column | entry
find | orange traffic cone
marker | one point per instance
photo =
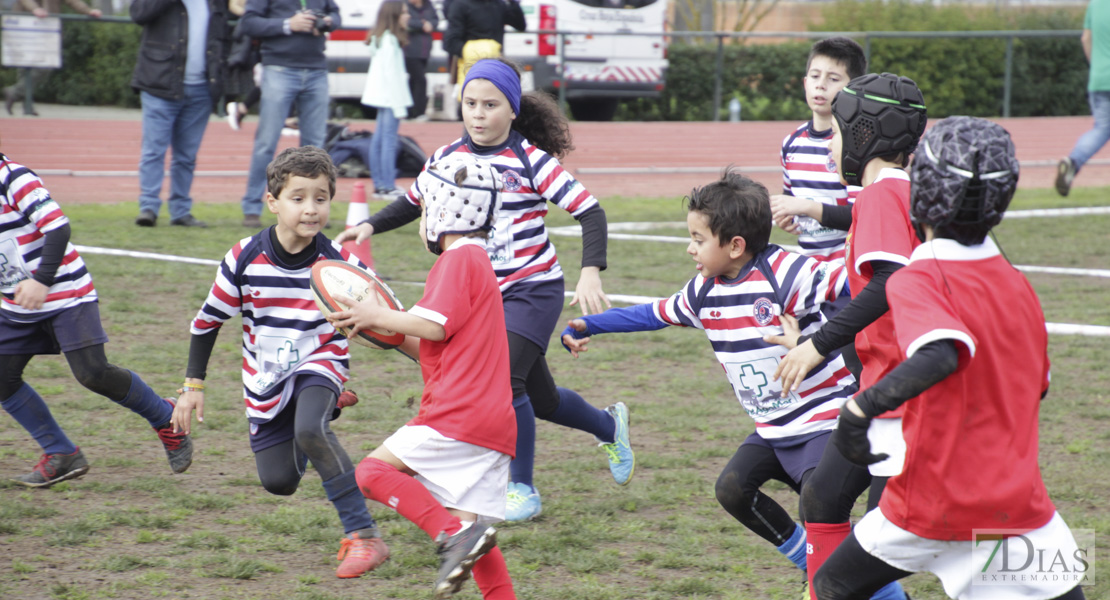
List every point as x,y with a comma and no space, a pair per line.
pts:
357,212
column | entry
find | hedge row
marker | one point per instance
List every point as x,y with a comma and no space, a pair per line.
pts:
957,75
97,60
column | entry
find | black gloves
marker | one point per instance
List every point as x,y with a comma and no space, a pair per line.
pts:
850,437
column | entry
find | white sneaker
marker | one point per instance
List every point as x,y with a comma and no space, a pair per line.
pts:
233,116
389,195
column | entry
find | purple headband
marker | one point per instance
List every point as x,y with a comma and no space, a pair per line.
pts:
501,75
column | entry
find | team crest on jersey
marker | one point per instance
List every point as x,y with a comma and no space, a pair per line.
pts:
512,181
764,311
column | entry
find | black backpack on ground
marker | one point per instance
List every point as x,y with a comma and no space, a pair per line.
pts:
350,151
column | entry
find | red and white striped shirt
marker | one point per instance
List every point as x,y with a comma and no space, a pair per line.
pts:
27,214
284,333
519,247
737,314
807,172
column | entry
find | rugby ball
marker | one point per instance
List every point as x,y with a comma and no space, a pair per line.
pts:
331,278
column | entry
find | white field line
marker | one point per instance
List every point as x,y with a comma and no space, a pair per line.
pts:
1057,328
660,170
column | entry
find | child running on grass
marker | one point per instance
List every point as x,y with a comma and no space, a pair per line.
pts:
973,373
523,137
815,204
878,120
294,361
745,289
49,306
447,470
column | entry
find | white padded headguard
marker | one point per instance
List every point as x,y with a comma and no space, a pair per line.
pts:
460,196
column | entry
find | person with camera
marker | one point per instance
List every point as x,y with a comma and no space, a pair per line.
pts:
294,73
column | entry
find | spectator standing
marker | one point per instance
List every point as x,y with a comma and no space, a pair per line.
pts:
422,22
179,74
476,30
387,90
1096,45
294,72
243,70
14,92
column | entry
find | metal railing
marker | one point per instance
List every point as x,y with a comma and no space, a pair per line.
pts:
719,37
866,36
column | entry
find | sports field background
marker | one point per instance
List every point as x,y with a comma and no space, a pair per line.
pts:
129,529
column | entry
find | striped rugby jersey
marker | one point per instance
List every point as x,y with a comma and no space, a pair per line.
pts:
807,172
284,333
735,316
518,246
28,214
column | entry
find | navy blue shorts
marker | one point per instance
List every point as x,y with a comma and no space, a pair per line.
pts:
532,310
797,457
280,428
70,329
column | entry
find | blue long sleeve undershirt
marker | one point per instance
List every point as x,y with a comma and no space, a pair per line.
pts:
618,320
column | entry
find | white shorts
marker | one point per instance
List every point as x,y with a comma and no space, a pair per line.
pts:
459,475
885,435
987,570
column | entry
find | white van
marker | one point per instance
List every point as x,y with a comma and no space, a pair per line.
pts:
600,69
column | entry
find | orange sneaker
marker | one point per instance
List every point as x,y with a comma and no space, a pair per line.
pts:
360,556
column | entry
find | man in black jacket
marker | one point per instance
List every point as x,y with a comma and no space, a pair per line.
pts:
179,74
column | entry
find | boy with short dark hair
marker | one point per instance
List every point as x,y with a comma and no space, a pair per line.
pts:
447,470
965,401
879,242
745,290
815,205
294,361
49,306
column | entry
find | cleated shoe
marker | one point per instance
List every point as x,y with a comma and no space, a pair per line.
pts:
1065,175
179,448
522,502
345,399
360,555
457,555
53,468
622,461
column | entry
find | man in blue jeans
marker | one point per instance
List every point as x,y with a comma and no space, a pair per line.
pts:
294,71
1096,45
179,74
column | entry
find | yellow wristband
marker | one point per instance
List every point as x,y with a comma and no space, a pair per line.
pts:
193,387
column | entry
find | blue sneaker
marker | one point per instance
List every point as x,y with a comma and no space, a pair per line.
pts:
523,502
622,461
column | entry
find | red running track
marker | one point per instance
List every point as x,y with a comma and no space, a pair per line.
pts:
101,146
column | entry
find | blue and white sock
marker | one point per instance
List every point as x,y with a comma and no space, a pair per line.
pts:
574,412
342,490
890,591
144,402
28,408
794,548
520,469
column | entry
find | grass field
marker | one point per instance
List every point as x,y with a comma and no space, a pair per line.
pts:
130,529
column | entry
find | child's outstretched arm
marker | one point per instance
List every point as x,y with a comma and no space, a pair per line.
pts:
615,320
588,294
369,314
929,365
191,395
